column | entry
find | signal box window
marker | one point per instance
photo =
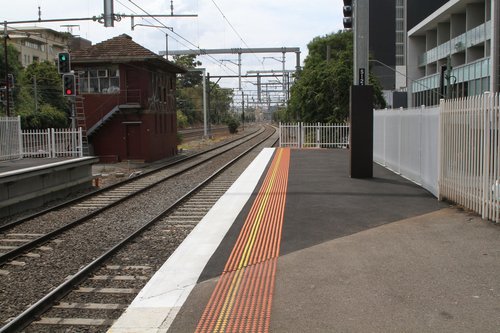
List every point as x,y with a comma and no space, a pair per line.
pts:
100,81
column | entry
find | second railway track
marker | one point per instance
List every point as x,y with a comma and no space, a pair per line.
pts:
43,268
27,234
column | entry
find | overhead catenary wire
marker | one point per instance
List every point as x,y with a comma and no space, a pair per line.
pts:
234,29
180,36
211,58
170,32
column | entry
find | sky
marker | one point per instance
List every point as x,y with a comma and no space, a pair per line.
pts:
219,24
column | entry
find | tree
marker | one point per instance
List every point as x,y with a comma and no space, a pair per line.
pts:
41,103
190,103
189,91
321,92
220,103
190,95
46,117
14,65
14,68
43,77
192,78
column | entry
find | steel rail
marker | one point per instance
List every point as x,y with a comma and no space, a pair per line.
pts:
12,224
48,236
45,303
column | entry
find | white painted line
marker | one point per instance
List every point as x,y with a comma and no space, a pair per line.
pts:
156,306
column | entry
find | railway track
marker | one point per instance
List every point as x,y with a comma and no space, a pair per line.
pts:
197,133
6,225
122,269
17,240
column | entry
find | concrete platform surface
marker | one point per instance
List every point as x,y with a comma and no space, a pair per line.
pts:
366,255
437,272
25,163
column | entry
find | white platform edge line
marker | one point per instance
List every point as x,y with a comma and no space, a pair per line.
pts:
157,304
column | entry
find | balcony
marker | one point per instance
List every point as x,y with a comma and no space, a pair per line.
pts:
471,71
471,38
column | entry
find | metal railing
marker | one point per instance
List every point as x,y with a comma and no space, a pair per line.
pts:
470,38
470,144
50,143
452,150
10,138
314,135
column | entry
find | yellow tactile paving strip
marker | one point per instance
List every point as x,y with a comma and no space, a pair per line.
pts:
242,299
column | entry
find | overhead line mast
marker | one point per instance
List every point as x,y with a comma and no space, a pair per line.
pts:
239,51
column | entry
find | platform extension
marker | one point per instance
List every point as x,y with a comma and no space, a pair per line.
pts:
295,245
32,182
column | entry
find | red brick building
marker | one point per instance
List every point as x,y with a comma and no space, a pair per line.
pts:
126,100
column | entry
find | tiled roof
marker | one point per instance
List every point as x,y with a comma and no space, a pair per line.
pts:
120,47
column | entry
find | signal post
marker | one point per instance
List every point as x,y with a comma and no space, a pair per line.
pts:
69,81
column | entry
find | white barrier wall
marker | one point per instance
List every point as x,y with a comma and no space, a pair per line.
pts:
407,142
452,150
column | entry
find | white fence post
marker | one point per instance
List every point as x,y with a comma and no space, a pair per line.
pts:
301,136
485,151
318,129
20,136
279,135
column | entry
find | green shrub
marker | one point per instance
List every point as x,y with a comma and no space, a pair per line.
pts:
47,117
182,120
232,125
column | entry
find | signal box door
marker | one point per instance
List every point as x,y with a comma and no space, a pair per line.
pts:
133,141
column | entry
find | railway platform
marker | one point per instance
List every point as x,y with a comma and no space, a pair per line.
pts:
31,182
296,245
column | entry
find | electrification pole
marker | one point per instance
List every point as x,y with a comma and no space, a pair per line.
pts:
109,15
7,88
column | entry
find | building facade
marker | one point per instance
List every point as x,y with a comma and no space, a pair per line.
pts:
126,101
37,44
454,52
389,22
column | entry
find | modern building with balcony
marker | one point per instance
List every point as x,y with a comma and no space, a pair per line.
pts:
454,52
389,22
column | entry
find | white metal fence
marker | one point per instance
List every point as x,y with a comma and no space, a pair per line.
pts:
470,143
407,142
59,142
451,150
10,138
314,135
